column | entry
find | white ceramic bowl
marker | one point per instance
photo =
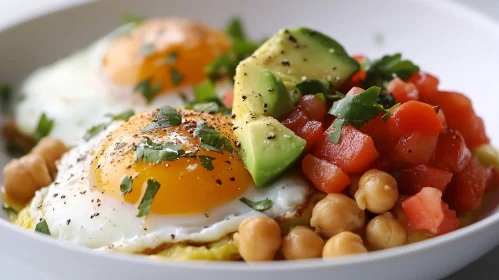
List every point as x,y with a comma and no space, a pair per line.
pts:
458,45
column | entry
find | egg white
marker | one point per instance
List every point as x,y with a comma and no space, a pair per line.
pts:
76,95
79,213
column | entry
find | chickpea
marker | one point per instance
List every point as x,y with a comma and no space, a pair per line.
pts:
258,239
336,213
342,244
50,150
384,231
378,191
302,243
24,176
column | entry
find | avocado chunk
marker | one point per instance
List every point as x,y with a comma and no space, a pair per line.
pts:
263,92
267,147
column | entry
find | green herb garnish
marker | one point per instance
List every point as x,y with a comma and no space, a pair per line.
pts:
132,19
9,210
166,117
381,71
206,162
126,185
148,90
386,116
94,130
261,205
176,76
206,92
334,136
314,86
387,100
42,227
149,151
146,202
211,139
123,116
44,127
119,145
147,49
321,96
235,29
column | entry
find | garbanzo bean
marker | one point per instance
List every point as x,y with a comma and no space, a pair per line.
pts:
50,150
336,213
384,231
258,239
342,244
378,191
24,176
302,243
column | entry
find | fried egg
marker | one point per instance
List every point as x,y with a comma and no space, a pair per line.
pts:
79,91
85,204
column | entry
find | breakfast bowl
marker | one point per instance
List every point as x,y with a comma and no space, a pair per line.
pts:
429,33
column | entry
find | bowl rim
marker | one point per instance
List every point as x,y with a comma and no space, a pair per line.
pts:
445,6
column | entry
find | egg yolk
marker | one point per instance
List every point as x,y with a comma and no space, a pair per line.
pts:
186,186
167,52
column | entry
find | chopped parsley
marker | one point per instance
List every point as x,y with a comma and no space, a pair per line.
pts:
147,49
386,116
176,76
147,89
132,19
5,95
211,139
166,117
210,108
146,202
94,130
119,145
42,227
126,185
123,116
9,210
355,110
381,71
44,127
149,151
206,92
261,205
206,162
314,86
235,29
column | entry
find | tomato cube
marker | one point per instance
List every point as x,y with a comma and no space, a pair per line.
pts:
311,132
451,153
427,212
417,148
402,91
466,189
425,83
313,107
493,182
415,178
325,176
355,90
354,153
414,116
295,120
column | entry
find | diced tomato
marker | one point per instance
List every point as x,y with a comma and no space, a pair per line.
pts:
354,153
466,189
311,132
425,83
402,91
295,120
359,57
427,212
441,117
493,180
451,153
475,134
417,148
359,76
325,176
413,179
228,98
354,91
377,129
313,107
414,116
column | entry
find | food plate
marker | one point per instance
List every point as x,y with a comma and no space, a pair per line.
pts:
427,32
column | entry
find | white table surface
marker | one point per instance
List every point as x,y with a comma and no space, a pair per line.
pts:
13,11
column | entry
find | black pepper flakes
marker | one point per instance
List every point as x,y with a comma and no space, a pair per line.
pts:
270,89
173,236
410,151
232,179
292,39
244,97
285,63
271,135
68,221
219,182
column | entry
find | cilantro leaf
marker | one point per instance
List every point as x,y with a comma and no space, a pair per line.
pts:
126,185
337,96
146,202
148,90
149,151
244,47
176,76
94,130
321,96
166,117
208,107
386,116
206,92
211,139
206,162
334,137
44,127
381,71
358,109
119,145
314,86
261,205
222,66
9,210
14,149
147,49
5,95
132,19
123,116
42,227
235,29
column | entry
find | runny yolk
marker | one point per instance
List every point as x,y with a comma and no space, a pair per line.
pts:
168,52
186,186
